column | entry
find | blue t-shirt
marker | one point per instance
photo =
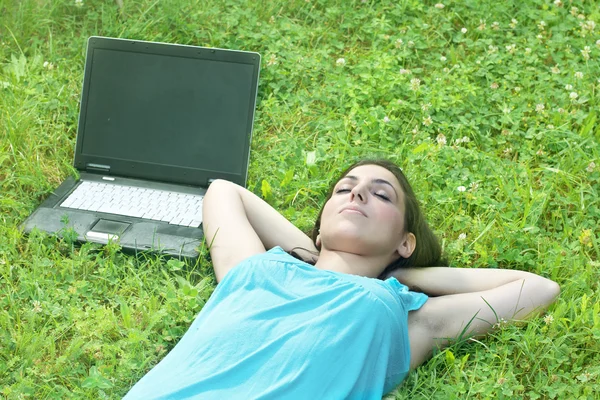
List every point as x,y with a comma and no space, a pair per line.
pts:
278,328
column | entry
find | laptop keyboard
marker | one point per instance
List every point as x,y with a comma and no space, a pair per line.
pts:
158,205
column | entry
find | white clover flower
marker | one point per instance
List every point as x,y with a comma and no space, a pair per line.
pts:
441,139
500,324
591,167
461,189
425,106
558,3
271,60
548,319
539,107
427,121
495,25
79,3
439,5
443,59
341,62
598,43
542,25
581,16
573,95
462,236
513,23
410,43
492,49
561,110
586,52
555,70
568,87
386,119
550,126
574,11
399,43
517,89
579,75
527,50
506,110
511,48
464,30
540,36
404,71
474,186
37,306
482,25
507,150
446,69
494,85
415,84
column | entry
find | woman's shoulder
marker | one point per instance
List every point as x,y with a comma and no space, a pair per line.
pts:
411,300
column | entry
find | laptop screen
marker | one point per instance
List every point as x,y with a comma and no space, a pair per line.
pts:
158,115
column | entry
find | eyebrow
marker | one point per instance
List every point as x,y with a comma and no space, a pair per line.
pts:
377,180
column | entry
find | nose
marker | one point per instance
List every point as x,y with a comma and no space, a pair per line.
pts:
358,192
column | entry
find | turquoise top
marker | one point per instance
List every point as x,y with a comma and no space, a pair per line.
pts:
279,328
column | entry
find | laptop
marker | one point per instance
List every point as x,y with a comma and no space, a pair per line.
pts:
158,122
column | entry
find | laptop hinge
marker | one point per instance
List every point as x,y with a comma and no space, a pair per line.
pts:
97,167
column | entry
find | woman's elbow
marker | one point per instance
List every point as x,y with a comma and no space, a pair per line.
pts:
549,291
553,289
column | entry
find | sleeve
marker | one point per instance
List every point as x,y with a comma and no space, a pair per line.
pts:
411,300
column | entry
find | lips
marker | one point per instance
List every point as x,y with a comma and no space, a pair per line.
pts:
353,210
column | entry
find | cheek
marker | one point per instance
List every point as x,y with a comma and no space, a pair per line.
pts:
326,211
394,218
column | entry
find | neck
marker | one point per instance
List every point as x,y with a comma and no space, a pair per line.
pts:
350,263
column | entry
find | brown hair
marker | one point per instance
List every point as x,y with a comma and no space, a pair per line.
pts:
428,251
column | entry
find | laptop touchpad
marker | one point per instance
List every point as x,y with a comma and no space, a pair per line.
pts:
106,229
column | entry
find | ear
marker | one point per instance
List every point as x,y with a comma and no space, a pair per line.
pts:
407,246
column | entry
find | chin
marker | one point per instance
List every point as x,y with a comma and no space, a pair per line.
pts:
349,243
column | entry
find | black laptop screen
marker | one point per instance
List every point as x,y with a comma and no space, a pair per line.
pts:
168,111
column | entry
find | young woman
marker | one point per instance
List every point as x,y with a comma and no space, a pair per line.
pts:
347,327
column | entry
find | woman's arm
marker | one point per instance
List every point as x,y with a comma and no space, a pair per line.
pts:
238,224
440,281
470,302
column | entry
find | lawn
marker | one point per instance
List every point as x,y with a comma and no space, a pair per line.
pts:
490,107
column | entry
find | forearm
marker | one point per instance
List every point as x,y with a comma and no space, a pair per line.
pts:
272,228
440,281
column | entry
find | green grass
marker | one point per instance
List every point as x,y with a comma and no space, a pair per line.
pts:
516,127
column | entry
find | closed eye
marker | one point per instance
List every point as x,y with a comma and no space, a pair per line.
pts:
383,196
343,190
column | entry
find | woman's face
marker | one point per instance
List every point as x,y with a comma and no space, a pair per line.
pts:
365,214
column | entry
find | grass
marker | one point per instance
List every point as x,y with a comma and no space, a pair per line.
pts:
491,112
